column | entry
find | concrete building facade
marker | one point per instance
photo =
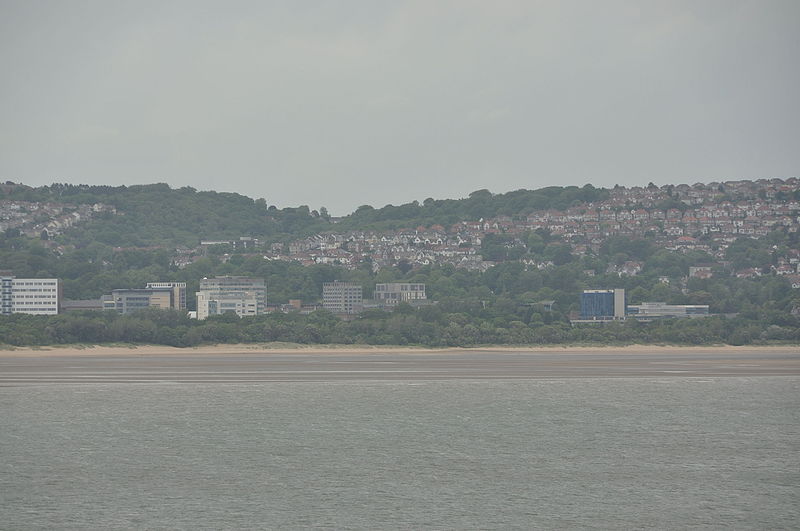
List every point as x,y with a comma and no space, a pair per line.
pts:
243,296
125,301
178,292
162,295
241,303
661,310
342,297
35,296
396,292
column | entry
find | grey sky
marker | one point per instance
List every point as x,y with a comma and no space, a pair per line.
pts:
348,103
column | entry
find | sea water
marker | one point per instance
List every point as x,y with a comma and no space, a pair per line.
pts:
554,454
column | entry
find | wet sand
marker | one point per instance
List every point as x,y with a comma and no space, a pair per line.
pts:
253,364
296,348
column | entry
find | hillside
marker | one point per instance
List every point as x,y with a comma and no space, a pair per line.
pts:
491,261
157,215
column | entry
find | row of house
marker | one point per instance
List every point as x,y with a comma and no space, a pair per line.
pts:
682,218
35,219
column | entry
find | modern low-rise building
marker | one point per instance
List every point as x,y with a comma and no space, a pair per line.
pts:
603,305
35,296
661,310
125,301
242,303
342,297
243,296
178,292
396,292
162,295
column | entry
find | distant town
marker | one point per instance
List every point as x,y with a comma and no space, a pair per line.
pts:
702,217
725,253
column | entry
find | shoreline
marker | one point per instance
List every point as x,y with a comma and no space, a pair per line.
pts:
283,349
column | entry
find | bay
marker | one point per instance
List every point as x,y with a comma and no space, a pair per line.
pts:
561,453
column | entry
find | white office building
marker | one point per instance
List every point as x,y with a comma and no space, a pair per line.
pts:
35,296
242,304
660,310
243,296
396,292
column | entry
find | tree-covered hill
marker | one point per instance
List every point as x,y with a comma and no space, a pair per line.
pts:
156,214
479,204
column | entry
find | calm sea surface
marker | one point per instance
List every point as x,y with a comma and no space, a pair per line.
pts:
603,453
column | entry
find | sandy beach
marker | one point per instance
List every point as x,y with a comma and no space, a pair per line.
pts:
258,364
284,349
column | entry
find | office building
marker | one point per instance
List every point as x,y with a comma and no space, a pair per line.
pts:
342,297
243,296
35,296
242,303
660,310
162,295
396,292
125,301
603,304
178,292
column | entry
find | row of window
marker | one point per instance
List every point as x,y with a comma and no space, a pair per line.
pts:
341,293
28,290
403,287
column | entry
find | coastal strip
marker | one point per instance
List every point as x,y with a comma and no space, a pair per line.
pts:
243,364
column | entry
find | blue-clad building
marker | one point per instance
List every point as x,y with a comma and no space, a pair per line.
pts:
603,304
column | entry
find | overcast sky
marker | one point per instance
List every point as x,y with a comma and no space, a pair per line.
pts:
344,103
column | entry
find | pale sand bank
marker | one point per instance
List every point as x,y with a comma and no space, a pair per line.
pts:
283,349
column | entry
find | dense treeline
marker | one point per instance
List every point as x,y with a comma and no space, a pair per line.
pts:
479,204
450,323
